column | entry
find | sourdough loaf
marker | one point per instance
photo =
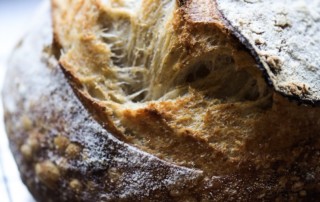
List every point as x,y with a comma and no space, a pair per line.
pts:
162,100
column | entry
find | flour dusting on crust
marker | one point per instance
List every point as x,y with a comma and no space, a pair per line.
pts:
284,36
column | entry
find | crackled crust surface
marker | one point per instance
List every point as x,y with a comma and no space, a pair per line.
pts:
153,100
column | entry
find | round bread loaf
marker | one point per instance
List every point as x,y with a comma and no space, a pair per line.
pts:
160,100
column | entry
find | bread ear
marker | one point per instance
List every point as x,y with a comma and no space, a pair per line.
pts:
62,153
154,100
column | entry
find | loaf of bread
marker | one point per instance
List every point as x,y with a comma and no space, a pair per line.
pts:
168,100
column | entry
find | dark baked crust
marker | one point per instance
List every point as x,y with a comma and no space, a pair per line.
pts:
65,153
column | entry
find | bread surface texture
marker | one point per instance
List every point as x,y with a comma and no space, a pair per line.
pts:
154,100
285,39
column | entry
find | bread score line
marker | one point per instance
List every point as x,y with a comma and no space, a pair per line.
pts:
282,39
168,76
156,100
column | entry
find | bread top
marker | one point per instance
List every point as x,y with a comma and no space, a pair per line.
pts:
62,153
223,135
284,38
170,78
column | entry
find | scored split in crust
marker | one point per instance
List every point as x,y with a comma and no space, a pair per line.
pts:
213,113
167,72
159,71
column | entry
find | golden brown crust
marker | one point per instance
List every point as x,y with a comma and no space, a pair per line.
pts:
193,37
63,154
218,133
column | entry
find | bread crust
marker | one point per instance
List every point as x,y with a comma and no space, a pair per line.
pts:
69,148
283,41
63,154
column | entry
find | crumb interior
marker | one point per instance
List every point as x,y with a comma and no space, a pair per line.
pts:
178,87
